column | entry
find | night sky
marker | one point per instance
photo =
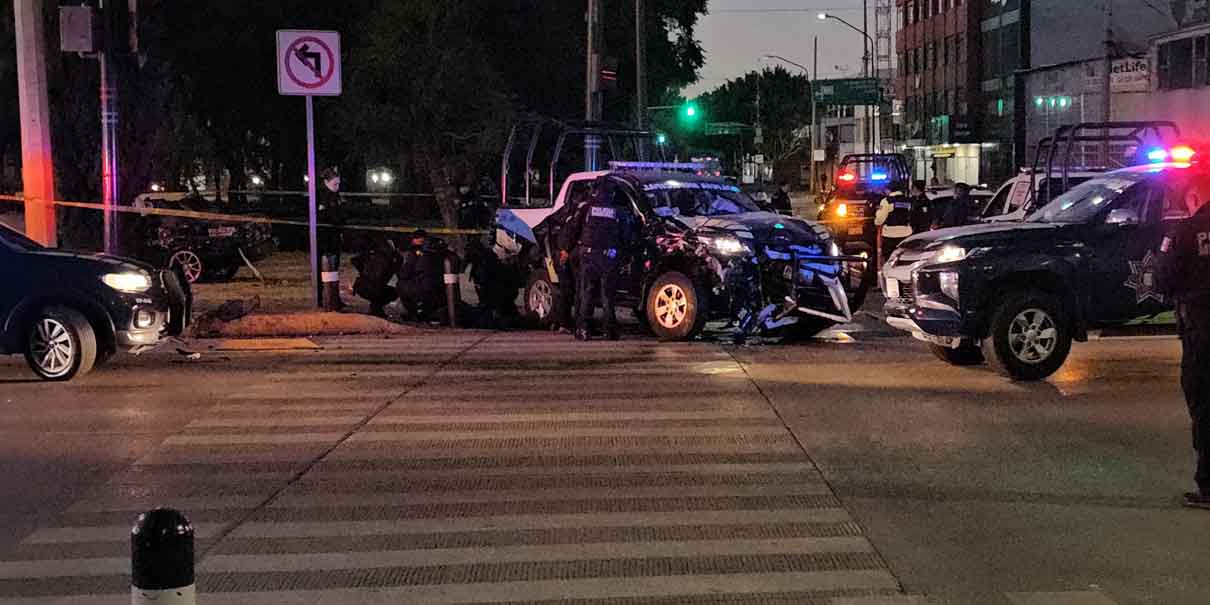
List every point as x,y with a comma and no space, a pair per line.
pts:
734,39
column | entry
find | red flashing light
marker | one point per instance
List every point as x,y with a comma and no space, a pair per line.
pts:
847,177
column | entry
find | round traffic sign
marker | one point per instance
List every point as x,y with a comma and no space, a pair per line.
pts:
310,63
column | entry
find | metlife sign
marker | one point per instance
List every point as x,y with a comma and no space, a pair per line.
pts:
1130,75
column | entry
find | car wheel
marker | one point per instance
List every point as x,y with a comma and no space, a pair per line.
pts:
967,354
1030,337
541,299
805,329
60,344
190,264
675,309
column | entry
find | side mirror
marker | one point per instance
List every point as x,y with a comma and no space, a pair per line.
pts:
1123,217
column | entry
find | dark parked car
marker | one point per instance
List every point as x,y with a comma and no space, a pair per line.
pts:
69,312
204,249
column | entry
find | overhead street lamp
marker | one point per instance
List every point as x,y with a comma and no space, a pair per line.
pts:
869,44
814,106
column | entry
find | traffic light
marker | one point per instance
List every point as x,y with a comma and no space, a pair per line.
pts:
690,112
661,138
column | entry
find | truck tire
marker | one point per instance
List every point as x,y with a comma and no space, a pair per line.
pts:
676,310
967,354
541,299
60,344
1030,336
190,263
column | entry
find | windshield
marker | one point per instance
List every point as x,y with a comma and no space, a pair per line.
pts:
1085,202
698,199
15,241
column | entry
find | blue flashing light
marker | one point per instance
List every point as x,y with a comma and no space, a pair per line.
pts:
879,176
1157,155
779,226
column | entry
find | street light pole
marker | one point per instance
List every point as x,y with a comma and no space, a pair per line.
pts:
814,107
592,101
869,43
640,58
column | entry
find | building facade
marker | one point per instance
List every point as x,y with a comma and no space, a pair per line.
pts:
938,67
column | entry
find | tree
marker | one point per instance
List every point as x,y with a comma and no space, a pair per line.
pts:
785,108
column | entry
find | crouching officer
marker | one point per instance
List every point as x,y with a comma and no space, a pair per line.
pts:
420,279
600,231
1183,274
376,261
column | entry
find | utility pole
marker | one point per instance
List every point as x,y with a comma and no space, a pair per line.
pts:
111,43
592,101
865,30
37,160
640,59
817,134
1107,85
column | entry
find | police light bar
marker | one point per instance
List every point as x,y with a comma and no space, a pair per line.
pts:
879,176
1181,154
847,177
671,166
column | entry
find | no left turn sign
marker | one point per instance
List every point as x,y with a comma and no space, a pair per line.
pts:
308,63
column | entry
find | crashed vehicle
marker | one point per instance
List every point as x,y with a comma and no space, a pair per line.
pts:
706,252
203,249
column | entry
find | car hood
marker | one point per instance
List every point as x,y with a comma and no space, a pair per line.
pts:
762,227
102,263
987,235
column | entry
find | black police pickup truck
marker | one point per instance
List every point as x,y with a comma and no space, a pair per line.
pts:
707,251
1018,294
69,312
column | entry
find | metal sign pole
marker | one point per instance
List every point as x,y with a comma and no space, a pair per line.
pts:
312,205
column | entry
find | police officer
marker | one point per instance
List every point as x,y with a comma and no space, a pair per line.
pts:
1183,274
601,231
376,261
567,266
330,212
894,219
420,277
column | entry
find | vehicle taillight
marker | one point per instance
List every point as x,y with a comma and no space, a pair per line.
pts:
1182,154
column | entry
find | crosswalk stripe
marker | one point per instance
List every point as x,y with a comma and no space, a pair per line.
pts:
399,416
503,522
542,590
64,568
569,432
294,421
785,468
116,533
253,439
556,552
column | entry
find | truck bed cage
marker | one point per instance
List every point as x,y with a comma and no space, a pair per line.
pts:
1104,138
613,137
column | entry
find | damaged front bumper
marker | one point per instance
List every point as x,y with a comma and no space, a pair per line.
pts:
792,284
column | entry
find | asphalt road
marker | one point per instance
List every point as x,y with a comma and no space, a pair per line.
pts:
523,467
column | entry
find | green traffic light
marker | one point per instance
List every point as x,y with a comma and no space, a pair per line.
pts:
691,111
661,139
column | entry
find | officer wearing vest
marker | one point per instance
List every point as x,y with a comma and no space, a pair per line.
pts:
601,231
894,221
1183,275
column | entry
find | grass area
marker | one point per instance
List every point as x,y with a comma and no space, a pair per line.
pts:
287,285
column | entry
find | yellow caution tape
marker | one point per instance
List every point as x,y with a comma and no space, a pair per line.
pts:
243,218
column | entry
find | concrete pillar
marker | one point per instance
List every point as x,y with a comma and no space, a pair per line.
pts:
37,161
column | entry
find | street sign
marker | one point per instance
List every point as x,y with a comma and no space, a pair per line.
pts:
715,129
848,91
308,63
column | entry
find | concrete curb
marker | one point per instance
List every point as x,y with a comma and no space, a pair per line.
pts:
299,324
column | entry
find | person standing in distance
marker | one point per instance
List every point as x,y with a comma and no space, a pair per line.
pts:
1183,275
601,230
961,211
330,212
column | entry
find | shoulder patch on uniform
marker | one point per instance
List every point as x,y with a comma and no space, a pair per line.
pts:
604,212
1166,245
1203,244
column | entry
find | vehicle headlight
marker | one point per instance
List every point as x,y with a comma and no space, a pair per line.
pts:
949,254
130,282
842,210
949,283
727,245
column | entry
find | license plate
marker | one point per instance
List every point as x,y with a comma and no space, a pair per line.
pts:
222,231
858,230
892,288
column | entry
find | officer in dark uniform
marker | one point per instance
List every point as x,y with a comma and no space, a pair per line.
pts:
376,262
330,211
1183,274
962,210
600,231
420,278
